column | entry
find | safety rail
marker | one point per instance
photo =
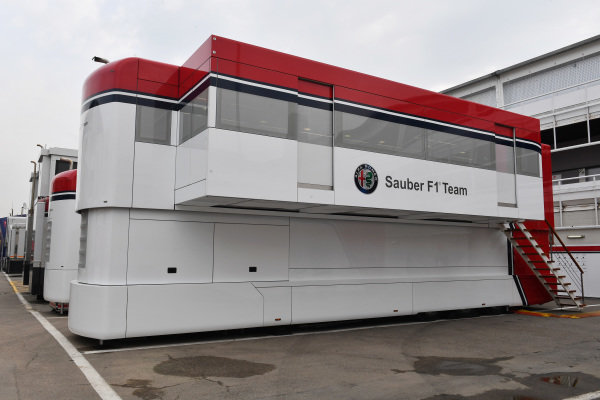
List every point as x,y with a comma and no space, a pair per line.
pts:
565,260
576,179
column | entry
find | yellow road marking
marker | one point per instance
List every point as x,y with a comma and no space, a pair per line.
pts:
551,315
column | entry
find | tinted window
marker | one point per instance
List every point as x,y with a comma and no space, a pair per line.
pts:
528,162
251,113
370,134
315,125
153,125
193,117
505,159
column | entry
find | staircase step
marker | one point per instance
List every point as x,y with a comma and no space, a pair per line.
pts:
557,283
554,277
563,297
528,245
548,269
562,291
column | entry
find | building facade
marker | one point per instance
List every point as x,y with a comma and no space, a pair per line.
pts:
562,90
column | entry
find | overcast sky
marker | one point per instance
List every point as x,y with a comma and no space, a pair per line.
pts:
46,49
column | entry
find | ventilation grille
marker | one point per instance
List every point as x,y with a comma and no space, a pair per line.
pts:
47,241
83,239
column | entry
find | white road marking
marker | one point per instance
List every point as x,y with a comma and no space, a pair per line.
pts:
586,396
104,390
360,328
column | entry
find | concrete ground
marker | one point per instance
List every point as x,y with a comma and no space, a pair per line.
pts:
462,355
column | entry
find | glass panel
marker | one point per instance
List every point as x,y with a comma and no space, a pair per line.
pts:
315,125
193,117
528,162
461,150
246,112
153,125
505,161
315,156
370,134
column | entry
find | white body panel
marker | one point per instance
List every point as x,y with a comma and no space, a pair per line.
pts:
47,163
156,246
106,259
64,250
57,284
480,184
106,154
251,166
159,260
15,241
98,311
308,270
153,176
192,308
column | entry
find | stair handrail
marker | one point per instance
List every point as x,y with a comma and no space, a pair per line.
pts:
570,255
564,246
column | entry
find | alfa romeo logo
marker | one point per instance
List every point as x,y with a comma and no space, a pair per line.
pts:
365,178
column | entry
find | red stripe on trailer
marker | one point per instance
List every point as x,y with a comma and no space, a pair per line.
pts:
581,249
65,182
229,57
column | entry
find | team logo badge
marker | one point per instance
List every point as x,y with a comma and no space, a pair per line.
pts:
365,178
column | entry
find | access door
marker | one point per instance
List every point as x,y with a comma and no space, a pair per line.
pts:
506,166
315,135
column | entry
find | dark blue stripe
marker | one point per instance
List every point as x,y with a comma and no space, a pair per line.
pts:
258,91
425,123
192,95
58,197
315,104
411,122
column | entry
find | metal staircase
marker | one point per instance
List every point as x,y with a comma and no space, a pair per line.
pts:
563,280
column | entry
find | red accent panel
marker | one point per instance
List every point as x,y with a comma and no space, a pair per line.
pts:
201,55
301,67
190,77
65,181
120,74
272,67
410,108
257,74
316,89
575,249
377,101
530,134
534,291
158,72
158,89
503,130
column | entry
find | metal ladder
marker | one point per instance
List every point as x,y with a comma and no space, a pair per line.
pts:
551,276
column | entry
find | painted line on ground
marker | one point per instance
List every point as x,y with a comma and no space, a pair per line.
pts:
216,341
586,396
579,315
104,390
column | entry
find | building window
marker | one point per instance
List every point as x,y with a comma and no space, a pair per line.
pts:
62,166
193,117
387,137
371,134
528,162
315,125
152,125
461,150
245,112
